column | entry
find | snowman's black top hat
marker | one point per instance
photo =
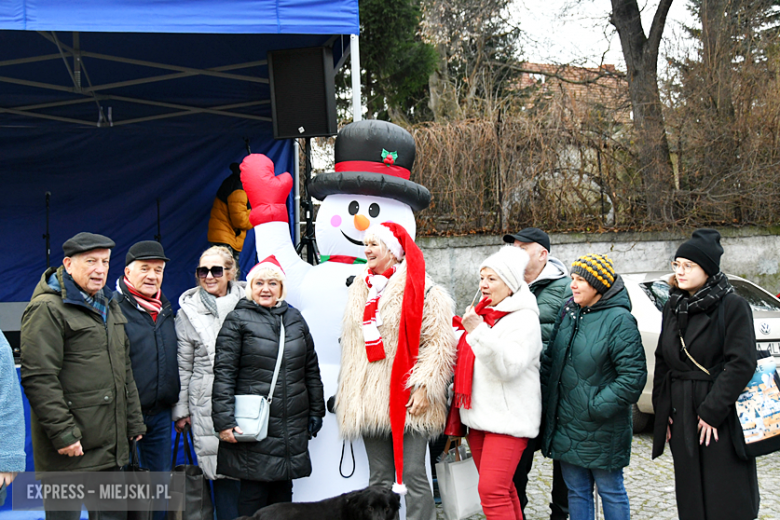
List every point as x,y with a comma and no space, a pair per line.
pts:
373,158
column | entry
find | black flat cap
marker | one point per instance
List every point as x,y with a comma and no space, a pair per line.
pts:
145,250
84,242
530,234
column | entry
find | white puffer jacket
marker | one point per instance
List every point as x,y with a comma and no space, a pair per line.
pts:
197,329
506,395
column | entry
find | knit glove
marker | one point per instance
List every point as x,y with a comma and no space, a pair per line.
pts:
315,425
266,192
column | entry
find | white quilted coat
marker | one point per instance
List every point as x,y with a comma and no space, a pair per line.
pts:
197,329
506,396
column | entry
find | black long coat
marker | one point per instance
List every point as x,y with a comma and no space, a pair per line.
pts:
246,351
717,481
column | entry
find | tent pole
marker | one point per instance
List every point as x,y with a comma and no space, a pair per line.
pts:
357,109
76,62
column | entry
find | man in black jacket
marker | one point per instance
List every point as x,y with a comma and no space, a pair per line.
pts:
153,348
549,281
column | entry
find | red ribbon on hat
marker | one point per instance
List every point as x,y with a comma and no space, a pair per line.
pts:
373,167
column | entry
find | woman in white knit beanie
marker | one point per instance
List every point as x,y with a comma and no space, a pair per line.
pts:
497,378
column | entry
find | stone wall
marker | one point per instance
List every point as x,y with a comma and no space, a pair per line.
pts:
751,253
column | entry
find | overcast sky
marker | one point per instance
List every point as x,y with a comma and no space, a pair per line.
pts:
565,31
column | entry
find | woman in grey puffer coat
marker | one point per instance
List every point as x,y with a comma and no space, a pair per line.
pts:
203,309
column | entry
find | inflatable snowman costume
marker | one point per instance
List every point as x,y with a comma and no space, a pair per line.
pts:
370,185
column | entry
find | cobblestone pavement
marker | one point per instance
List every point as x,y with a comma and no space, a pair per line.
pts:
650,485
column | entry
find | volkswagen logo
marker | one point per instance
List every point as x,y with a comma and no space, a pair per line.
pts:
765,328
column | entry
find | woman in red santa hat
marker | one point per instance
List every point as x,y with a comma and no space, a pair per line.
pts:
398,350
247,355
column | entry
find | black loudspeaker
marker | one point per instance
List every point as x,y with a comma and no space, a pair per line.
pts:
303,92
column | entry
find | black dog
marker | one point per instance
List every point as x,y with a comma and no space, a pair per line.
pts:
371,503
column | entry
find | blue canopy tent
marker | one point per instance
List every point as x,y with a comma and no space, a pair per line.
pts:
118,107
111,105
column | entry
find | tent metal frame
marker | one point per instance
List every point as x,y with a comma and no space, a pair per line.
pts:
98,93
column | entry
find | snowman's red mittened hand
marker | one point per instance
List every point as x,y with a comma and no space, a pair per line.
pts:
266,192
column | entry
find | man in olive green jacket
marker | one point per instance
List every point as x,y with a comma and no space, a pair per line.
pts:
549,281
75,366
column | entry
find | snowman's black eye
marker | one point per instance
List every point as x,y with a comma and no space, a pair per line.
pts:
354,207
373,210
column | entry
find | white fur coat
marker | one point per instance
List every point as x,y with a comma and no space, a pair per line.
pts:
506,395
363,397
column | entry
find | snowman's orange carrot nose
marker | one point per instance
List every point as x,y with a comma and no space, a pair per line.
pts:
361,223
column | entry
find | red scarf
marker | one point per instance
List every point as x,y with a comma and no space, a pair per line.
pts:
151,305
464,364
375,348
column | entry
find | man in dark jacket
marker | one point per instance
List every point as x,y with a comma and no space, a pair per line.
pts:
150,329
549,281
75,366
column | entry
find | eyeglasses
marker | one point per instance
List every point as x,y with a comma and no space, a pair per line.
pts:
685,266
203,272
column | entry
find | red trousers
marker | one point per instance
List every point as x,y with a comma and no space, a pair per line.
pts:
496,456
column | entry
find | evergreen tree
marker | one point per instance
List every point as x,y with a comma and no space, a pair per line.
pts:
395,62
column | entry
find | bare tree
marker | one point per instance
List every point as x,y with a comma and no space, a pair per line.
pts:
641,55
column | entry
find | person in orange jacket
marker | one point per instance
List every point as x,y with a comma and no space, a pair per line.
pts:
229,220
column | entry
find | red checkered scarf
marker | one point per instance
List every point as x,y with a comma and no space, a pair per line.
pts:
376,283
464,364
151,305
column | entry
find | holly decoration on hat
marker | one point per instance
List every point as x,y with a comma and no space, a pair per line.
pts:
389,157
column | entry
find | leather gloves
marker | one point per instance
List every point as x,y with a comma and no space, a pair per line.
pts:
315,425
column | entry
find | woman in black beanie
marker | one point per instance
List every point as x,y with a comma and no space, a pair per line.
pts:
705,357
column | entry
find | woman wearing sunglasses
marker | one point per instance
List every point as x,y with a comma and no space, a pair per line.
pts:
203,309
705,357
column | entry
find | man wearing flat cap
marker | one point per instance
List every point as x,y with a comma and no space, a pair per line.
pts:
153,348
548,279
76,369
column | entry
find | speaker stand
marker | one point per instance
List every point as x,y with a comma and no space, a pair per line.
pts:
307,240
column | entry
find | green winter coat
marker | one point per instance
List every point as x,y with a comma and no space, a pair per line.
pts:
77,375
552,289
593,370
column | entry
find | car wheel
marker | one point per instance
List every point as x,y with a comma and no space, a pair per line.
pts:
641,420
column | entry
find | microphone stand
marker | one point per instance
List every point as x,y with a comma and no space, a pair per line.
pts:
47,235
158,236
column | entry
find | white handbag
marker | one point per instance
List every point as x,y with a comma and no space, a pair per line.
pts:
252,411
